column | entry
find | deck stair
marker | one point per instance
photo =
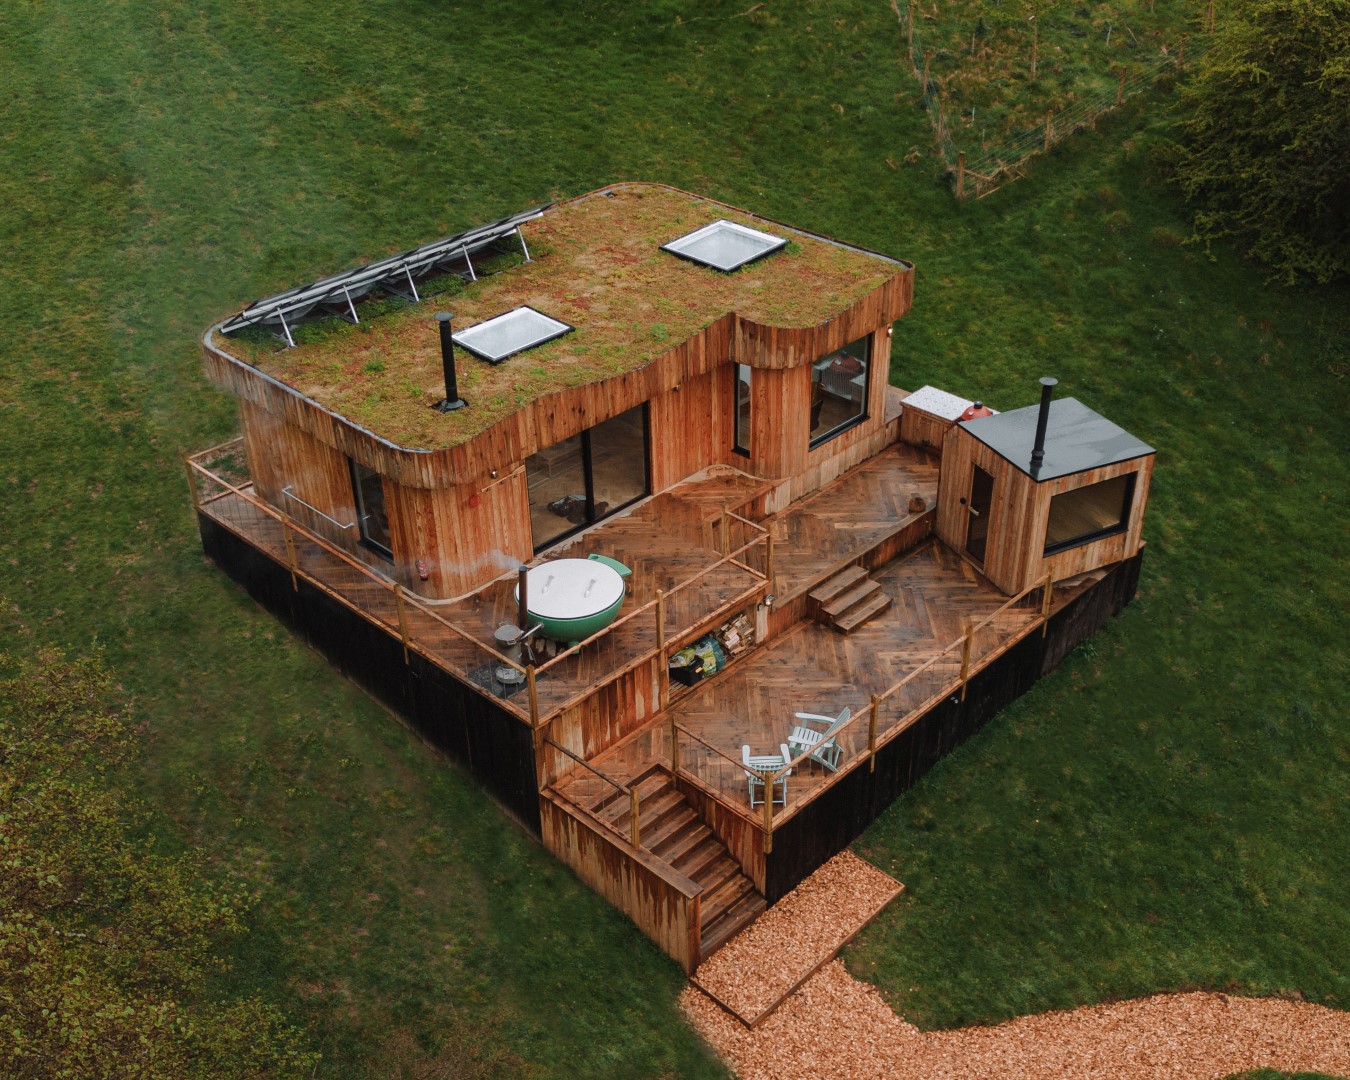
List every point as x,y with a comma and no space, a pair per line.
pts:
848,599
670,830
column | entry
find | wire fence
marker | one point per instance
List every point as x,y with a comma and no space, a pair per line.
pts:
974,175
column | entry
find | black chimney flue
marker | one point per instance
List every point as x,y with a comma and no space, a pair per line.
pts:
1038,447
452,400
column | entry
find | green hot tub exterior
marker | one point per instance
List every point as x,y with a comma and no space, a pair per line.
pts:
573,630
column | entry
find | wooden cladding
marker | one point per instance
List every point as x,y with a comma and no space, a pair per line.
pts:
550,419
664,903
1014,555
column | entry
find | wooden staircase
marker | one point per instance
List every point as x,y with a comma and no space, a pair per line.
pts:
848,599
671,831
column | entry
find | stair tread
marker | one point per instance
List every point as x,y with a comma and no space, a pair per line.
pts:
700,856
677,845
722,899
734,919
675,823
855,617
831,587
846,600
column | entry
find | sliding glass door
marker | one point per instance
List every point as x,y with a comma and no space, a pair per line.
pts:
581,480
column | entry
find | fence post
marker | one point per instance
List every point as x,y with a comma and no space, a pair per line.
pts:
925,74
909,26
289,541
1181,60
192,483
634,806
1035,41
768,777
1049,127
1045,605
872,735
1120,89
965,657
1211,16
402,619
663,670
960,176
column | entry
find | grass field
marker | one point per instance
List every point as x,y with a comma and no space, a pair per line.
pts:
1166,811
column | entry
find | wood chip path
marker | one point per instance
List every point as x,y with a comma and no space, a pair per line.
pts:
835,1026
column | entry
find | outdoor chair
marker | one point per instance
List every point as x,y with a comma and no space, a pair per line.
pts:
766,763
823,745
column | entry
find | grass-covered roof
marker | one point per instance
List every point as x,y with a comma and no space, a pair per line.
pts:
597,265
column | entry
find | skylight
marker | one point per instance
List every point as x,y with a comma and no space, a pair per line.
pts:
505,335
724,245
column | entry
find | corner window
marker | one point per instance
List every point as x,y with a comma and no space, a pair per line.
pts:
1089,513
839,384
741,436
371,514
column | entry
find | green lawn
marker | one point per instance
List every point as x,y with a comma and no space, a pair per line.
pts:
1167,811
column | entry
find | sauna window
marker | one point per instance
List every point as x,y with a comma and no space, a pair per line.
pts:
590,476
1089,513
839,384
371,514
741,438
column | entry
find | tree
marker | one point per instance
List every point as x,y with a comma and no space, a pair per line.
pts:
1266,145
106,945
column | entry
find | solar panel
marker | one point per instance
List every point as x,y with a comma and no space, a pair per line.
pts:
724,245
396,273
505,335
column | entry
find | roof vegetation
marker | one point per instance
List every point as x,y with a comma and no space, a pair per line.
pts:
597,265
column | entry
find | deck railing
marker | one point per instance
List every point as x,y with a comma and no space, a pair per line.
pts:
426,631
882,717
580,799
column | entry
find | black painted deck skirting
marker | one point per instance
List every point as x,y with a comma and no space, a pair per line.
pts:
492,743
838,815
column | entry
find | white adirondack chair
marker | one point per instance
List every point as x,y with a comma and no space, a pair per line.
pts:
823,745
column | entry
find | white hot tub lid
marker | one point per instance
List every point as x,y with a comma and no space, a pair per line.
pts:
572,588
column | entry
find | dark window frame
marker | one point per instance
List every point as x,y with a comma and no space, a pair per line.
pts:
1115,529
863,414
362,511
740,439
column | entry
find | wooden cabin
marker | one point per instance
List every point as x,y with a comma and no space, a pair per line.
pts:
700,396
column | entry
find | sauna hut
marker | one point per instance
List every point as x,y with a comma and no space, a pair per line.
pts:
656,409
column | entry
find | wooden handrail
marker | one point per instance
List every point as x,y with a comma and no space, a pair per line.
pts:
586,764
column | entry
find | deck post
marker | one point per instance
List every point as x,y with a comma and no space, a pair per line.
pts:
663,670
965,657
289,540
767,776
768,558
674,747
402,619
634,805
1045,606
872,735
192,483
726,533
534,696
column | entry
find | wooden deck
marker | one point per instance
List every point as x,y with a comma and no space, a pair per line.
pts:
813,669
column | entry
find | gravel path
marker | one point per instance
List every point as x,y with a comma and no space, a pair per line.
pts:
835,1026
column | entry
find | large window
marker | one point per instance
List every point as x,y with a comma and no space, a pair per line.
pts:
580,480
1089,513
741,439
839,390
371,514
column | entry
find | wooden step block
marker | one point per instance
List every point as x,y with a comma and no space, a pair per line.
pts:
856,616
827,590
848,599
716,902
735,919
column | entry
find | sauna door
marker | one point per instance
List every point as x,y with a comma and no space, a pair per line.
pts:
981,495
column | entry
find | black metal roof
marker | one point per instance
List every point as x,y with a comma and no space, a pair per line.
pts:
1076,439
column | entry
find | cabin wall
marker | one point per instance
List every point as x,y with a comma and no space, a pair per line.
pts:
690,427
280,455
1019,511
462,545
663,903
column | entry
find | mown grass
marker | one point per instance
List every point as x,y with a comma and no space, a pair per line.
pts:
163,164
